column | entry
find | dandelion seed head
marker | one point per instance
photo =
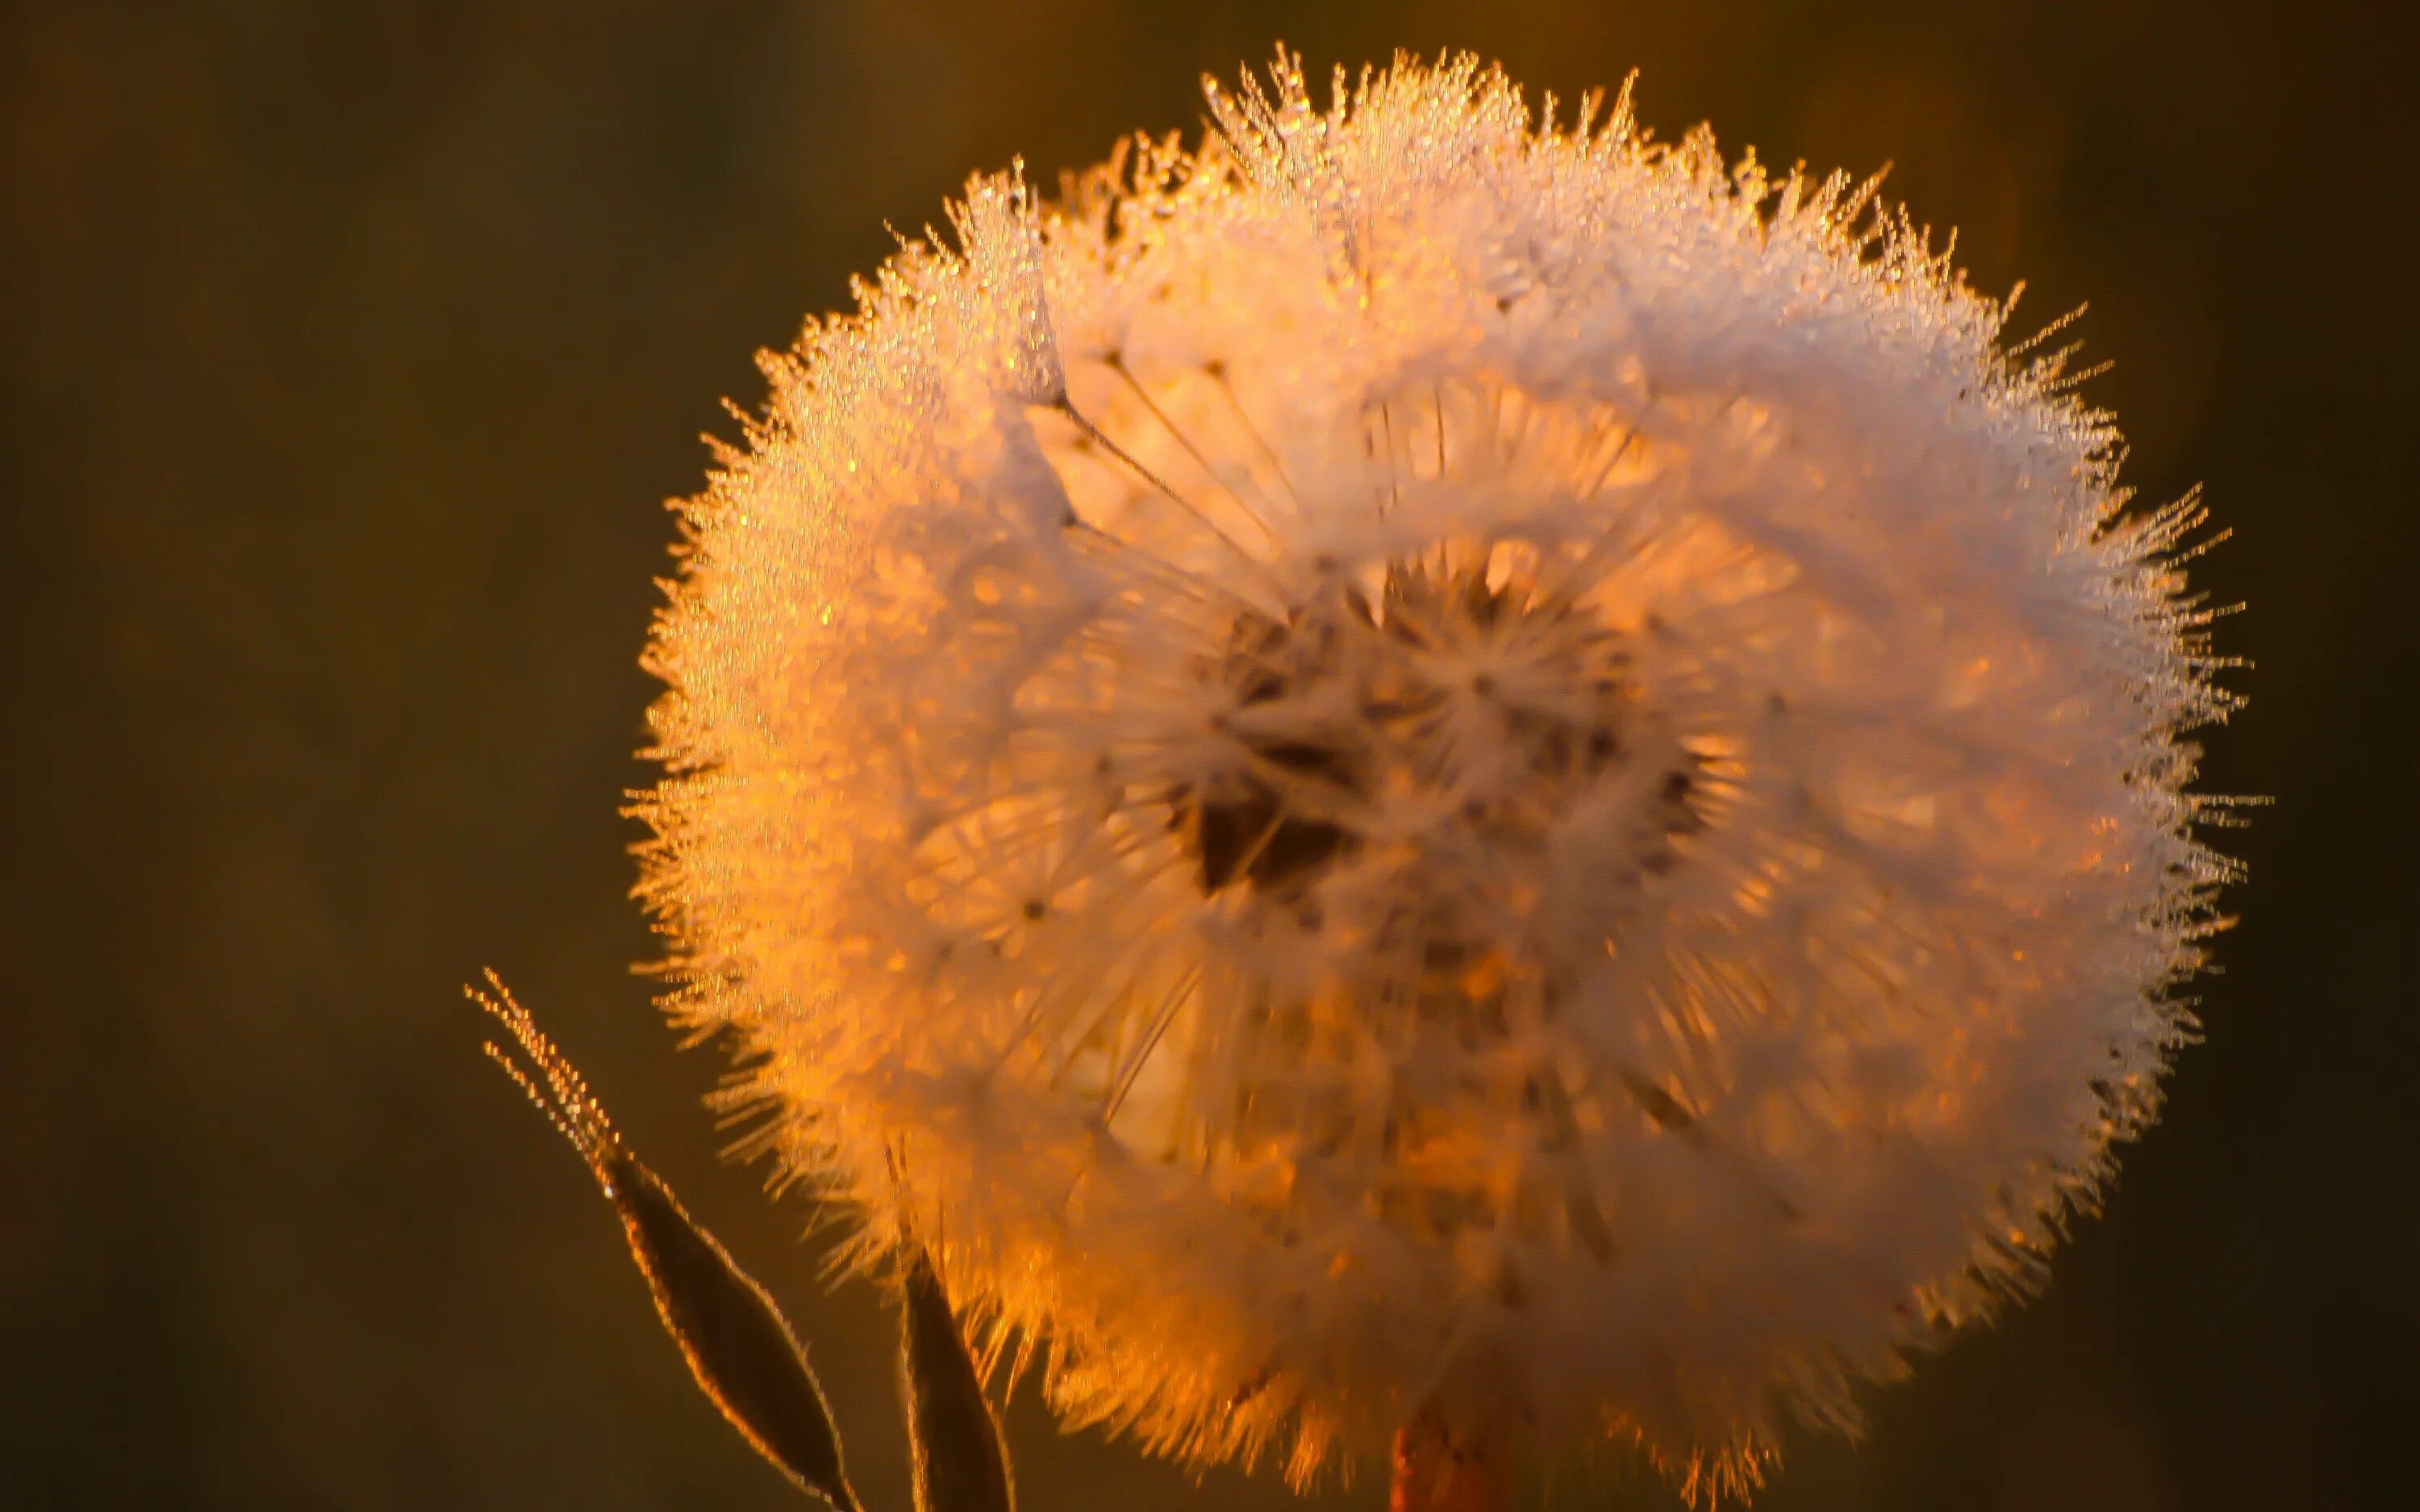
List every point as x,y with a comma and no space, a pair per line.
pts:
1436,759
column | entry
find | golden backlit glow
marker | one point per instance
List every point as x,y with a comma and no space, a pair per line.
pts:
1428,766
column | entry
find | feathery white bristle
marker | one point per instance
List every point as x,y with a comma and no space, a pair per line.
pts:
1431,761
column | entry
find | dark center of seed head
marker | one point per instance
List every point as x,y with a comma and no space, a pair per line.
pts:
1280,819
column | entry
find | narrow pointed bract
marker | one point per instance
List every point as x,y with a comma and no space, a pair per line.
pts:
738,1346
960,1464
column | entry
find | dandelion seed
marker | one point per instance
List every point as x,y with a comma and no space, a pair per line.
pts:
1437,773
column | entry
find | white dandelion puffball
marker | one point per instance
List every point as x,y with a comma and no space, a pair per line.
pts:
1432,761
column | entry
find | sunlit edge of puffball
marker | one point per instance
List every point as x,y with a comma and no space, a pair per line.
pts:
950,390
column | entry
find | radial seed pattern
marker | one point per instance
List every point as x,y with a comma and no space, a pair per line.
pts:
1431,760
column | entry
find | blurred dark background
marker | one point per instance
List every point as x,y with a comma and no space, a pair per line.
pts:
348,352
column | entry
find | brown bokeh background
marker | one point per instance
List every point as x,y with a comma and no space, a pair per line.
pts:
348,352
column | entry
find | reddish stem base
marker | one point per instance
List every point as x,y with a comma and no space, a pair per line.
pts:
1437,1470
